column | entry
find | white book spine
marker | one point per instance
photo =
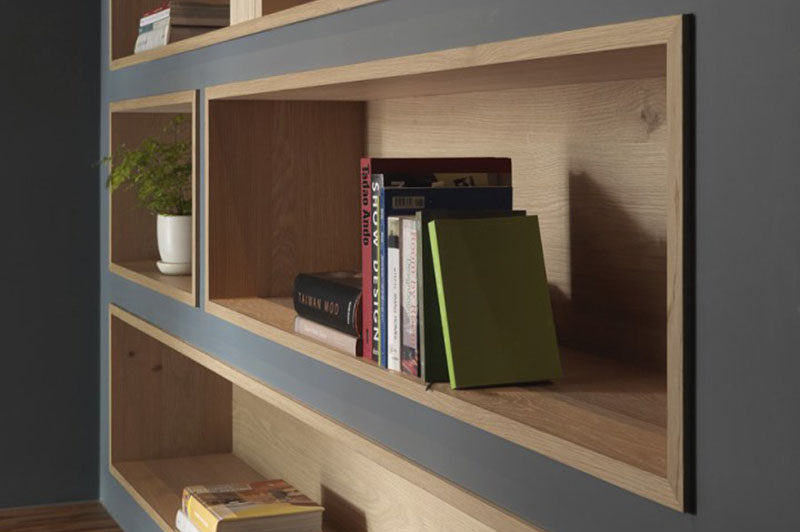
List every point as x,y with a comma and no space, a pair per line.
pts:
153,35
409,356
394,340
326,335
183,524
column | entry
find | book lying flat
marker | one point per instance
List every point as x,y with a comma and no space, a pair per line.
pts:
251,507
493,301
328,336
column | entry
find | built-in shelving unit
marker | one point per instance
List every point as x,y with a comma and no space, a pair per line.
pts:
133,249
180,417
247,17
593,121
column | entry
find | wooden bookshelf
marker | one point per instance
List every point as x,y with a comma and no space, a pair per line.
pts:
593,122
247,17
133,249
180,417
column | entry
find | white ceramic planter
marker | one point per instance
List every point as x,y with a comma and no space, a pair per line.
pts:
174,244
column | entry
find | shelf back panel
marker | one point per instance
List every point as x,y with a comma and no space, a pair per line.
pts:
133,229
163,404
281,194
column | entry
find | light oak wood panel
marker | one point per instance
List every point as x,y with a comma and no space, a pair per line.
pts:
607,423
449,66
121,46
590,161
157,485
146,273
133,249
278,176
163,404
593,120
71,517
359,494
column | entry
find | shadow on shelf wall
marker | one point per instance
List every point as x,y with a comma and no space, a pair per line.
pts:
615,306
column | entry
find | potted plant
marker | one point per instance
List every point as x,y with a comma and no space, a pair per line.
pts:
159,172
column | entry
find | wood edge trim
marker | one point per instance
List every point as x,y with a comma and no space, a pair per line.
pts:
438,486
206,203
675,265
623,475
141,501
286,17
188,298
154,101
188,97
645,32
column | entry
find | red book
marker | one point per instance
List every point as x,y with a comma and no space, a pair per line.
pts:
366,261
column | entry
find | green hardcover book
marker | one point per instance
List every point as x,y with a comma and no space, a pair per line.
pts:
493,301
433,360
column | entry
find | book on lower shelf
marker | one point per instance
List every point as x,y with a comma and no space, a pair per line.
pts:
260,506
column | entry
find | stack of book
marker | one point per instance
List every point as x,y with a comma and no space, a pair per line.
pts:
263,506
464,308
328,307
180,19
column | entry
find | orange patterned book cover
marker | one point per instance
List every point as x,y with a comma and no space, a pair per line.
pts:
207,506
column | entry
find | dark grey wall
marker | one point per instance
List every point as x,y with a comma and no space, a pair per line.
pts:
747,267
48,142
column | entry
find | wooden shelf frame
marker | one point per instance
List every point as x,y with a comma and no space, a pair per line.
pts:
606,54
242,25
225,426
142,269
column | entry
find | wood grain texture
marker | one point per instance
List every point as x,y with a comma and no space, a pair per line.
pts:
156,485
279,201
359,494
590,405
676,57
133,249
590,160
162,404
458,61
122,53
72,517
146,273
341,441
593,122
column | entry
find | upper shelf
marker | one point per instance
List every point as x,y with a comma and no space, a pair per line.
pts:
247,17
133,249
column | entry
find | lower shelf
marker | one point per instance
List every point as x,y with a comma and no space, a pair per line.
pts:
145,272
159,483
170,403
605,417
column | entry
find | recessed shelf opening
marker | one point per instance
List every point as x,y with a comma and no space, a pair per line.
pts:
133,238
592,138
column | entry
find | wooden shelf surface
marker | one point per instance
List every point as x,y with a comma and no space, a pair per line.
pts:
158,484
305,11
614,408
146,272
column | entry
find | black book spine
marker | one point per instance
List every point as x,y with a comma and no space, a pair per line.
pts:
329,303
